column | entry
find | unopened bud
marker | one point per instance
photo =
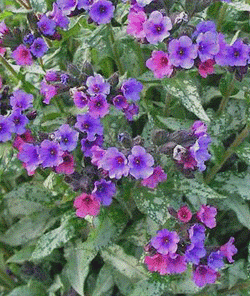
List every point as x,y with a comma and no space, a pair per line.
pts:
87,69
159,137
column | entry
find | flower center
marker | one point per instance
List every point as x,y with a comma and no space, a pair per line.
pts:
66,158
16,120
158,28
85,125
164,61
52,151
65,140
181,51
236,53
137,160
102,9
96,88
98,104
119,160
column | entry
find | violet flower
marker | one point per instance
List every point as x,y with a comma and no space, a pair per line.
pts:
67,137
6,129
131,89
207,215
104,191
97,85
204,275
21,100
98,106
101,11
46,25
165,241
228,250
38,47
20,121
50,154
89,125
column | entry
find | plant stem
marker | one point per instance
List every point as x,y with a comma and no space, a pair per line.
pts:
140,56
26,6
9,67
115,50
225,99
238,140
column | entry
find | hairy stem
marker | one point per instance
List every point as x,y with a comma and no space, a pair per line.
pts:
22,3
238,140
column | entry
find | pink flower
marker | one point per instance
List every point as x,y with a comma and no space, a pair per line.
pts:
228,250
86,204
22,56
97,155
157,177
67,167
206,68
49,91
135,24
207,215
160,64
156,263
184,214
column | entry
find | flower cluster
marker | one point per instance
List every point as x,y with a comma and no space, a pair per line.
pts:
170,252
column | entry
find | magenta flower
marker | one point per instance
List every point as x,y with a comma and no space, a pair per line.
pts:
102,11
207,215
50,153
135,24
157,176
67,166
21,100
115,163
228,250
22,56
86,204
48,91
98,106
140,163
52,76
157,27
97,85
206,68
160,64
24,138
204,275
182,52
165,241
156,263
199,151
184,214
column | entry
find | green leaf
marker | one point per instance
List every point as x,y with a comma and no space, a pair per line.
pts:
240,6
78,256
227,87
154,203
125,264
137,233
21,256
236,271
53,239
31,289
28,228
184,88
243,151
39,6
104,282
149,288
175,124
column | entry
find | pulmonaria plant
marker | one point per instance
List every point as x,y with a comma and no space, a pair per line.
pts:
170,252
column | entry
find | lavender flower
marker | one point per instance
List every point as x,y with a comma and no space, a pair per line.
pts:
199,151
87,145
47,26
104,191
101,11
115,163
131,89
140,163
21,100
98,106
175,263
67,5
135,24
49,91
50,154
67,137
97,85
207,215
203,27
199,128
215,260
85,4
157,27
6,128
80,99
208,45
221,56
20,121
237,53
228,250
39,47
197,233
58,17
194,252
130,111
89,125
182,52
165,241
29,154
97,155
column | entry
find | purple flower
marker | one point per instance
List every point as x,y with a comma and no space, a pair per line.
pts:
29,154
197,233
237,53
199,128
86,204
97,155
204,275
221,56
153,180
49,91
215,260
207,215
131,89
175,263
67,137
50,154
85,4
87,145
39,47
208,45
182,52
64,78
6,128
156,262
98,106
165,241
46,25
97,85
20,121
160,64
22,56
120,102
199,151
140,163
21,100
57,15
131,111
28,39
102,12
104,191
67,166
115,163
52,76
67,5
89,125
157,27
80,99
228,250
203,27
194,252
